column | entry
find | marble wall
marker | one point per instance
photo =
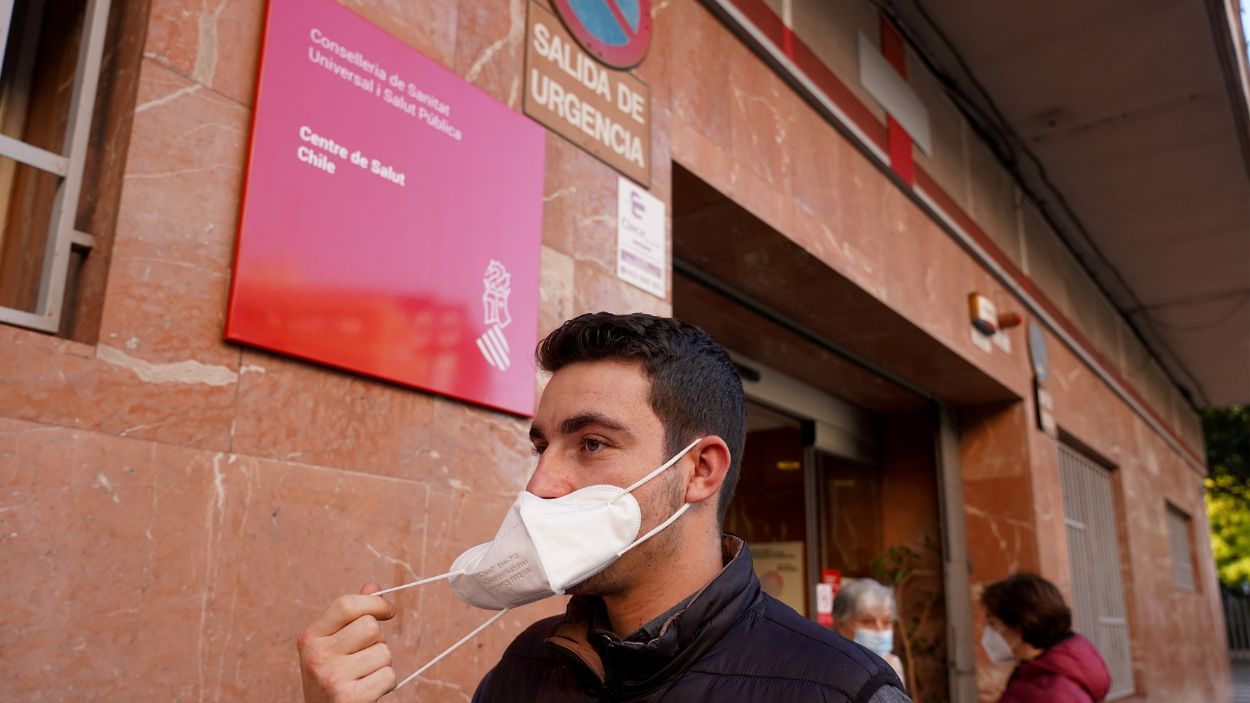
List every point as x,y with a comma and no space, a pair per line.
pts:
175,509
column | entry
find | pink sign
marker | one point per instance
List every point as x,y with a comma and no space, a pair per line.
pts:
392,215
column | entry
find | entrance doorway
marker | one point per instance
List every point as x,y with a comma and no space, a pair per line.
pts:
839,476
809,499
832,491
804,511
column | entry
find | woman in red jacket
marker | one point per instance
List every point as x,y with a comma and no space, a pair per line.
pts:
1028,623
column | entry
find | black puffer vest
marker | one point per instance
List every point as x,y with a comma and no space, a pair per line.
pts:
731,643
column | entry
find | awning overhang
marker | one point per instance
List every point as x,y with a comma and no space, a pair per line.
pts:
1129,122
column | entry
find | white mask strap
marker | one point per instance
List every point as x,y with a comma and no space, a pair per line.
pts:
422,582
451,649
656,529
660,470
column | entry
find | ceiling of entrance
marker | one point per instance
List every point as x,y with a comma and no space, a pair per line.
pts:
725,242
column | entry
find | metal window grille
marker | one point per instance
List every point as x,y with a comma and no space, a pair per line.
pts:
1094,554
1237,622
67,166
1182,556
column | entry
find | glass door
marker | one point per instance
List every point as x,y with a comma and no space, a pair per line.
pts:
769,509
848,514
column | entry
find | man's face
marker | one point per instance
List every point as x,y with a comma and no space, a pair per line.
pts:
595,425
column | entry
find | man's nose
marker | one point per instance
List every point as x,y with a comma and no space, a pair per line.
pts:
551,478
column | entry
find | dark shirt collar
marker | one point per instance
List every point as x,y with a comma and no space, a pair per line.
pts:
662,647
601,627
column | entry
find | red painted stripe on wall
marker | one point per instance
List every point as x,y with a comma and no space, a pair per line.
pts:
901,158
892,47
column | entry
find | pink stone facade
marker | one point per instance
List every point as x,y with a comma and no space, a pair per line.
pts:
175,509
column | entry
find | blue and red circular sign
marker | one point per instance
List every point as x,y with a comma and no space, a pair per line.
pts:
617,32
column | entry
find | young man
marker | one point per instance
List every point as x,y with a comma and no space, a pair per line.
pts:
680,617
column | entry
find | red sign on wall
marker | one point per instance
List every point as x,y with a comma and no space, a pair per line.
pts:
392,215
826,591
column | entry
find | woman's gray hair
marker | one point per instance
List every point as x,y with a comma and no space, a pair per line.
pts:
860,596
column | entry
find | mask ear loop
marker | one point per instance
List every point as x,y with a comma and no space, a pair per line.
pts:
655,529
490,621
422,582
672,518
494,618
666,465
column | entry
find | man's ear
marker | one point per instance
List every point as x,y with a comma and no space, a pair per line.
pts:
711,465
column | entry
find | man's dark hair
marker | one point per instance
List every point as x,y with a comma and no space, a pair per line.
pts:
1032,605
695,388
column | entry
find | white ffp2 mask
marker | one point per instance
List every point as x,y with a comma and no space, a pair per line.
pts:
546,545
995,646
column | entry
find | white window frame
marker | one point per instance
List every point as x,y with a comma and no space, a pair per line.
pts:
66,166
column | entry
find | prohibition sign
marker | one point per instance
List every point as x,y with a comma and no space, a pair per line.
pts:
617,32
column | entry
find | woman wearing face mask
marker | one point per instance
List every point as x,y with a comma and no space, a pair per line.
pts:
1028,623
864,612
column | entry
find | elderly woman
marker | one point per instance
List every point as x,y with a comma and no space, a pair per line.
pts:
864,611
1029,625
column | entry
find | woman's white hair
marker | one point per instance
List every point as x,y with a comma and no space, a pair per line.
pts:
862,596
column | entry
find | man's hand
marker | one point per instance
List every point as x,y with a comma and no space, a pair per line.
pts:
342,656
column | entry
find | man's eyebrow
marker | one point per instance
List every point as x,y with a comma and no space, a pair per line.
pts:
583,420
579,421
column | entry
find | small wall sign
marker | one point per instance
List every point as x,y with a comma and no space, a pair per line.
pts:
640,255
